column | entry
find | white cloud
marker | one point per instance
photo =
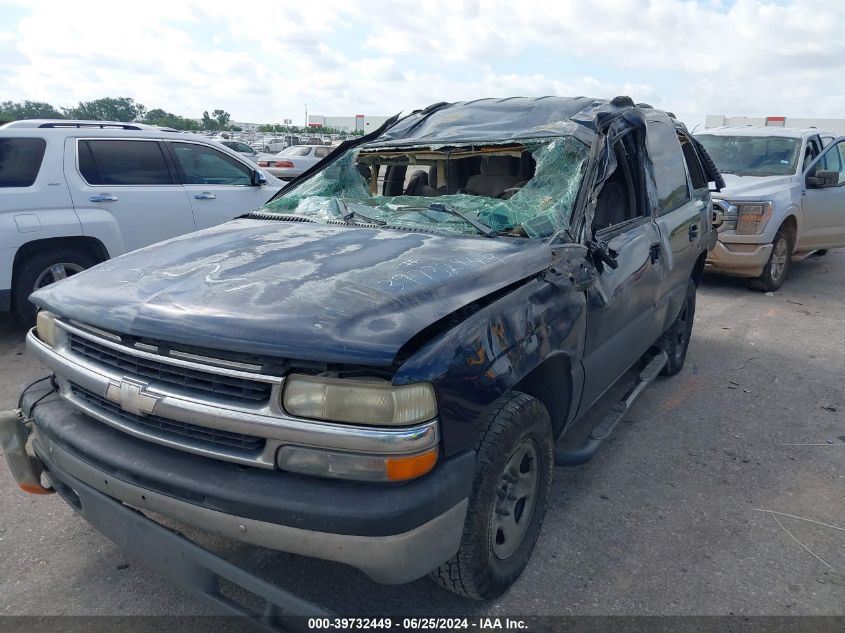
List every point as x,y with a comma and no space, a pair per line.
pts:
265,63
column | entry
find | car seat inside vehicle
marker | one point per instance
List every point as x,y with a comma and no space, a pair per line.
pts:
497,174
417,183
616,202
479,171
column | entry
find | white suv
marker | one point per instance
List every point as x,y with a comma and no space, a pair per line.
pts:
75,193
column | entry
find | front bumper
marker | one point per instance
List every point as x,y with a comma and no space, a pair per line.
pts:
740,259
393,533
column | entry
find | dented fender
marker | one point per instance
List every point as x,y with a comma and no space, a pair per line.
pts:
473,363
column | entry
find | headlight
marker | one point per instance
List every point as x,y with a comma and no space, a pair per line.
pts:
358,401
45,327
752,217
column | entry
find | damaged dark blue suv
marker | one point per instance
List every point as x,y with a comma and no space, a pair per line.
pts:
374,368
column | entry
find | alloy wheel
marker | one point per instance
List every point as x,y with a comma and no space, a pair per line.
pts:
55,273
779,258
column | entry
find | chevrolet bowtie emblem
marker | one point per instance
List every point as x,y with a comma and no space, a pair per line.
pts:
131,397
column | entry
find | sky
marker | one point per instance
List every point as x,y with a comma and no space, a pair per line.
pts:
265,61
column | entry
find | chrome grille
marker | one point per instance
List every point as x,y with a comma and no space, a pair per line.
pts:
173,377
171,429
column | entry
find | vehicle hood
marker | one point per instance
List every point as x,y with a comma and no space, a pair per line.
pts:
293,290
752,187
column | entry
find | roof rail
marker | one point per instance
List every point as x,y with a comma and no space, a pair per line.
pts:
80,124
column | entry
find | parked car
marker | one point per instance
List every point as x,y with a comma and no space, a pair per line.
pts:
75,193
274,145
293,161
375,370
243,149
784,199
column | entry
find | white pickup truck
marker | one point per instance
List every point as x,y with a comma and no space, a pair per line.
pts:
784,199
75,193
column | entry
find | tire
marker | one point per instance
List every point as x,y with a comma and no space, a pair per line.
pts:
35,272
675,340
510,493
776,269
820,252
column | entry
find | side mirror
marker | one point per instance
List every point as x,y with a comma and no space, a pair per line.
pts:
258,178
823,178
571,265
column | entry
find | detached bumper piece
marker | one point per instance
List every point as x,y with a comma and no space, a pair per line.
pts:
14,434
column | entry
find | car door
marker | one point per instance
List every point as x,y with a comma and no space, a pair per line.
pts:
824,207
220,187
315,155
620,320
683,211
128,184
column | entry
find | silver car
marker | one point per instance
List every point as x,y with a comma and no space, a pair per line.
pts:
274,145
291,162
243,149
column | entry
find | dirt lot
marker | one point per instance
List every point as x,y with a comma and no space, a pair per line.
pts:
670,517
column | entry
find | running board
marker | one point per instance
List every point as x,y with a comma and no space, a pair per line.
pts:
585,452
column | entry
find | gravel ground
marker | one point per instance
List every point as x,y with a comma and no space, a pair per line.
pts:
675,516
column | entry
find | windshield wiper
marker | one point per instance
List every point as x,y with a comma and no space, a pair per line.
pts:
482,228
349,215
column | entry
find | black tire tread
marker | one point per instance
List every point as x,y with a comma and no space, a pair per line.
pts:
455,575
667,341
764,283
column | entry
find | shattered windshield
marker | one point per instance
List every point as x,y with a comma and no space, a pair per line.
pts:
521,189
752,155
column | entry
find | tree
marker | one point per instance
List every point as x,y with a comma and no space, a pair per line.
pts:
107,109
222,117
10,111
157,116
207,122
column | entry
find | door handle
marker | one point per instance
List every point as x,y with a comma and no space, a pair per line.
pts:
205,195
654,253
103,197
693,232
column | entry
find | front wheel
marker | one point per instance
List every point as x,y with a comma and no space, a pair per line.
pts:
510,493
675,340
774,274
43,269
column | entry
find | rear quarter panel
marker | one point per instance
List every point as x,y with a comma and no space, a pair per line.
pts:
41,211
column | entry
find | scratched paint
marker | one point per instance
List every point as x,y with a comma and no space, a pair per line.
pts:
419,273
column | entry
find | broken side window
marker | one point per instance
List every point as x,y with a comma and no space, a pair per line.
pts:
524,189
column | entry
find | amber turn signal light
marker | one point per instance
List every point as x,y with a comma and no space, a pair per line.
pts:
404,468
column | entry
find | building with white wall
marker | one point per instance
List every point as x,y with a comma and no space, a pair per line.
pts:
358,123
